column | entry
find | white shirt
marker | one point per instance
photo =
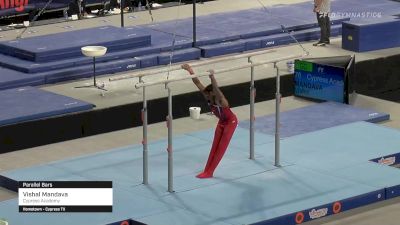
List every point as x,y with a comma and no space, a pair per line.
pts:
325,6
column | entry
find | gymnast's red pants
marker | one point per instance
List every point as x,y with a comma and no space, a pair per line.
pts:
222,137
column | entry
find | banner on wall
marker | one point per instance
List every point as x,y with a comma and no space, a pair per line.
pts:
20,7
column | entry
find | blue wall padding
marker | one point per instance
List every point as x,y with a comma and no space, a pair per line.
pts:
62,45
222,48
371,34
179,56
28,103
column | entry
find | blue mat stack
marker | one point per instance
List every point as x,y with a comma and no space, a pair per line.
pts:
54,58
66,45
15,103
368,35
369,29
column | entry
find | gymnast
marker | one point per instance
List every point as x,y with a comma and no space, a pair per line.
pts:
226,125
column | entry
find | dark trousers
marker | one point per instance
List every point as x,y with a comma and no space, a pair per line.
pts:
126,3
325,25
142,3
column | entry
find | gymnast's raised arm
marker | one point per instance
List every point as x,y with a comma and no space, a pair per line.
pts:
195,80
218,93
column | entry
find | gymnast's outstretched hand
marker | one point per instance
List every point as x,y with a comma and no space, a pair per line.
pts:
211,71
188,68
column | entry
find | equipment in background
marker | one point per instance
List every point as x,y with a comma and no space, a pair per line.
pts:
94,51
326,79
371,34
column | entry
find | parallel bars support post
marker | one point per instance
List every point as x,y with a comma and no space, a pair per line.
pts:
94,71
144,141
194,24
122,3
169,149
252,116
277,118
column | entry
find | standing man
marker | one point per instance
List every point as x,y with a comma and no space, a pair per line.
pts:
322,8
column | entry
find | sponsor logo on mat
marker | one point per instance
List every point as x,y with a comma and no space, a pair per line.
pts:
314,214
387,161
131,66
270,43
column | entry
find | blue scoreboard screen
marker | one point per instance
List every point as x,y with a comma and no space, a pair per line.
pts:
318,81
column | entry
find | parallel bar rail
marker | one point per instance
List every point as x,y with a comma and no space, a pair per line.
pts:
177,67
251,64
146,84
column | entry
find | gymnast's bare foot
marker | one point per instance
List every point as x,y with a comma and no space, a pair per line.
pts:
204,175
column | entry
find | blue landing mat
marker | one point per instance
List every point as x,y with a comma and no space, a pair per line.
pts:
28,103
206,34
125,206
12,79
338,147
26,66
161,42
315,117
120,65
244,191
84,71
164,40
191,153
63,45
223,48
179,56
264,42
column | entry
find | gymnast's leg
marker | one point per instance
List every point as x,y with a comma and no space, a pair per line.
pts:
217,137
227,134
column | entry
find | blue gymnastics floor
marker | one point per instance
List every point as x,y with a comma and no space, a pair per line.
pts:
320,171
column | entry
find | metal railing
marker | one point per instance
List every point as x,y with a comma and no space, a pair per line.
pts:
196,64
